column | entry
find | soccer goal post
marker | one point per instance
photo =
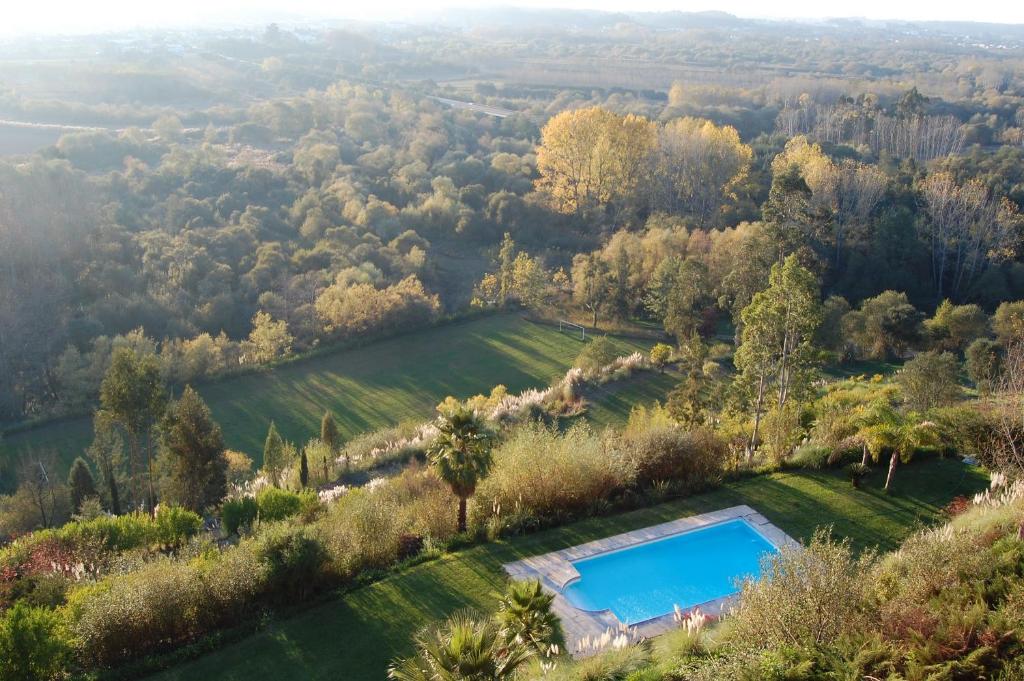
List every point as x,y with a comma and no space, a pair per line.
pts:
565,325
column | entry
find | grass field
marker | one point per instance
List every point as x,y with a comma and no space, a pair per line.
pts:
382,384
610,404
355,636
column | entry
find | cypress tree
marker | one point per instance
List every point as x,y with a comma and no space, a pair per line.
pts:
329,432
303,470
81,482
273,456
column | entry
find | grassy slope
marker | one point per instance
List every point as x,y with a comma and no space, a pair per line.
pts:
355,636
610,404
378,385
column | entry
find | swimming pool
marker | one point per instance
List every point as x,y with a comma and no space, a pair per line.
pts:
645,581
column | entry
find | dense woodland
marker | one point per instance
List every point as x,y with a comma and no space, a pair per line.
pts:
347,202
817,227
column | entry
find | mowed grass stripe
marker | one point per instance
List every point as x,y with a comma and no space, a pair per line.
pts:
382,384
355,636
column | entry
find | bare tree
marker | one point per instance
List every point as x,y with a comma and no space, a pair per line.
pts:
1005,408
966,229
38,475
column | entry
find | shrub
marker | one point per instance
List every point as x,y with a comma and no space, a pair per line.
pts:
277,504
115,533
666,453
597,353
805,597
549,476
175,524
33,644
128,615
856,472
930,380
781,431
426,503
812,456
386,445
661,353
612,664
983,363
363,529
294,558
163,603
238,513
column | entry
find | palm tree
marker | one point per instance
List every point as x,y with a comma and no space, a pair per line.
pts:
886,429
464,647
461,454
524,614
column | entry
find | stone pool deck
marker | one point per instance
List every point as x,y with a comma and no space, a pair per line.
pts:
555,570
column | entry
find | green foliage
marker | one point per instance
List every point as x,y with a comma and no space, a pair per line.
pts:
541,475
81,483
983,362
274,462
806,597
856,472
419,595
884,327
930,379
776,352
392,381
1008,321
33,644
461,454
239,513
688,460
133,396
524,614
303,469
278,504
465,646
812,456
615,664
661,353
329,434
193,453
294,557
175,524
954,326
163,602
599,352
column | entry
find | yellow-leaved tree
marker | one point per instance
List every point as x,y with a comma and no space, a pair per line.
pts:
592,158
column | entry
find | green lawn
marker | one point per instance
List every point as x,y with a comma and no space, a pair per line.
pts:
610,404
378,385
355,636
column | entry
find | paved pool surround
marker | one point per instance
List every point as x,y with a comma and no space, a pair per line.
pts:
555,570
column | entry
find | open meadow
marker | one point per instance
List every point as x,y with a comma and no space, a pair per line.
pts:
381,384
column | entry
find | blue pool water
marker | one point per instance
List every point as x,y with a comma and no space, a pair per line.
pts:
647,580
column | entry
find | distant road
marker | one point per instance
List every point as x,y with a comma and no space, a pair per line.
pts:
495,111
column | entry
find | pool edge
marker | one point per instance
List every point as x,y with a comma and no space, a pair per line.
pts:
555,571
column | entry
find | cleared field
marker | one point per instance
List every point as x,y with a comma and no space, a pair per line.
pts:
382,384
355,636
610,404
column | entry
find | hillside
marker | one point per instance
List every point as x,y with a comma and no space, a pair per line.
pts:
378,385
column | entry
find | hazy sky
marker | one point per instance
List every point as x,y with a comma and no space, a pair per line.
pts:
20,16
